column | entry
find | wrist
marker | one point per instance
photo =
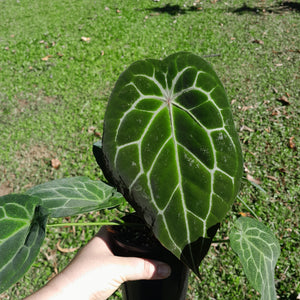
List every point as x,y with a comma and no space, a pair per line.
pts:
59,288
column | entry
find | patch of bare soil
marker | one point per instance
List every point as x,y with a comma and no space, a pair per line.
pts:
32,101
5,188
31,163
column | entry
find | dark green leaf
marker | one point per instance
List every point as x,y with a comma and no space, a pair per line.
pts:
171,148
22,231
258,250
71,196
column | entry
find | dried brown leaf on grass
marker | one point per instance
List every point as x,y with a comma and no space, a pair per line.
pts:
292,144
245,214
55,163
272,178
46,58
65,250
244,127
284,100
85,39
258,42
93,130
255,180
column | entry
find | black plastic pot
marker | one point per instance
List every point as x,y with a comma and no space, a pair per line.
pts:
137,241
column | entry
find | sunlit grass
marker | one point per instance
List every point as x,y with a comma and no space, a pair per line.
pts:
55,85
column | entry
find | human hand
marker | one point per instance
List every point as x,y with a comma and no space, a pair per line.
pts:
95,273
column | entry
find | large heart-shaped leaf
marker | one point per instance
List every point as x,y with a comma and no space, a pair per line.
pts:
170,145
71,196
258,250
22,231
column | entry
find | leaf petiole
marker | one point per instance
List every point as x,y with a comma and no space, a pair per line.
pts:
250,209
83,224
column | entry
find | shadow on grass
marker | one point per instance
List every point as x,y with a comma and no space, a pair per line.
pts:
292,5
173,10
280,8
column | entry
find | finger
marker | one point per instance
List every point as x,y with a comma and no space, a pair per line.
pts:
140,268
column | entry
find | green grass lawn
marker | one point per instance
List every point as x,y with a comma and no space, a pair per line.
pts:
59,60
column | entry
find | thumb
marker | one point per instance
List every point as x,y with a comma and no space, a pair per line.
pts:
140,268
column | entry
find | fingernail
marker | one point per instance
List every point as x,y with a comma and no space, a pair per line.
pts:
163,271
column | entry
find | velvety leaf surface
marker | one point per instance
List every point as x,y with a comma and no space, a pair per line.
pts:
71,196
22,231
170,146
258,250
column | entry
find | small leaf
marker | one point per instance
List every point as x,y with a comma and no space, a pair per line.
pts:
46,57
246,128
272,177
22,231
258,42
86,39
97,134
258,250
253,180
292,144
91,129
284,100
55,163
275,90
245,214
71,196
65,250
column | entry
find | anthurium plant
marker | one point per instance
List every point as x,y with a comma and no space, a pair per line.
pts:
170,149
